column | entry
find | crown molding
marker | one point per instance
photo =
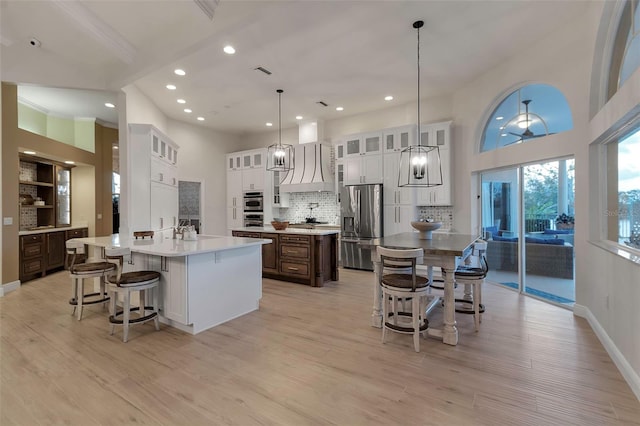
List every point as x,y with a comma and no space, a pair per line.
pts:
98,29
107,124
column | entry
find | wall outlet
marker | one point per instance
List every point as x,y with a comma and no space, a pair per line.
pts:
99,215
7,221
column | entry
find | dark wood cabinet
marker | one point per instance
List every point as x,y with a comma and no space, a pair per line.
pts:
270,254
305,259
55,249
45,252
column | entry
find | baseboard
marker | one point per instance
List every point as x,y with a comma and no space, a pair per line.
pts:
627,371
9,287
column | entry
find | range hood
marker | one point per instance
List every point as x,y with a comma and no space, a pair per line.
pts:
312,169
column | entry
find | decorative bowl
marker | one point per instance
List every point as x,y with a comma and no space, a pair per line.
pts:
425,228
279,226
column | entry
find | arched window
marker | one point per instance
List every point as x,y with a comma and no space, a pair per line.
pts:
528,113
625,57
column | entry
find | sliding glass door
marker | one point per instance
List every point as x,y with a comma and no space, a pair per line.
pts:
528,220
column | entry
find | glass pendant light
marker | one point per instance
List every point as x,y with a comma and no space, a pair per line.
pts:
420,164
279,156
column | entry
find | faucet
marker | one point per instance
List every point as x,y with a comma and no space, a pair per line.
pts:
178,230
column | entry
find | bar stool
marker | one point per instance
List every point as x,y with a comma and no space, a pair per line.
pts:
472,277
125,283
80,272
399,282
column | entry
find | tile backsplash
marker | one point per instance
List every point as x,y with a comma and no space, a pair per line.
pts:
328,209
28,172
438,214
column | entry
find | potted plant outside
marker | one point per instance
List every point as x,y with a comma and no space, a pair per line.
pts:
565,221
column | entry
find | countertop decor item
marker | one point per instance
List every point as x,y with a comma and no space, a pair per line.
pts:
280,157
420,164
425,228
278,225
26,199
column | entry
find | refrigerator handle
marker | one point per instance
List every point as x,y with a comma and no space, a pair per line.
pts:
358,210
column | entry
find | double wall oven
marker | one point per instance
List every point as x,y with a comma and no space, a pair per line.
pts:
253,209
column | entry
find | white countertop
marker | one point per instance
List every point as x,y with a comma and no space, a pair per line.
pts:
168,247
298,231
43,230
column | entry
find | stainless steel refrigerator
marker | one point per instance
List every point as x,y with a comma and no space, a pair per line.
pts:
360,222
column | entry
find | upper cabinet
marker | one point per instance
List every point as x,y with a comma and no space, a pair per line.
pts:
163,148
399,138
438,134
362,156
234,161
254,159
363,144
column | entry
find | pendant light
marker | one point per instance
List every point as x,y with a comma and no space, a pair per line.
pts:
420,164
279,156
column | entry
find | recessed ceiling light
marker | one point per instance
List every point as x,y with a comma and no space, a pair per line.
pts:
298,117
388,98
30,152
339,109
200,119
69,162
229,50
109,105
182,101
179,72
269,124
188,111
171,87
499,117
504,134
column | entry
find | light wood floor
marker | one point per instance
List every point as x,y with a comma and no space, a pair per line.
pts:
308,356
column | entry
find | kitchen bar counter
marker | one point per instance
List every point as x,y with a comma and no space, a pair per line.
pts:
50,229
300,231
203,283
305,256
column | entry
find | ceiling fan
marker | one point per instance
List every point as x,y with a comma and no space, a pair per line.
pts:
527,134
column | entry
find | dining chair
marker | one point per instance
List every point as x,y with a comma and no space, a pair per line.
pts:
81,271
399,283
124,283
472,275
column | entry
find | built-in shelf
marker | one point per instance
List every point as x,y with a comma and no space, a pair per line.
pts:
48,206
25,182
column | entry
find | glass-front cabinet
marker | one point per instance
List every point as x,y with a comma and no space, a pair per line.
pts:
63,196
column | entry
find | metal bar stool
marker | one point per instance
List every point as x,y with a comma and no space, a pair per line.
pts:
79,272
125,283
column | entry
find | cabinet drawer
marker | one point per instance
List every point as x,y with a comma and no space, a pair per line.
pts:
294,251
292,268
286,238
77,233
28,239
32,250
32,266
245,234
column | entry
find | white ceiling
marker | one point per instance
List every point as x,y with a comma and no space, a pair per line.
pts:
345,53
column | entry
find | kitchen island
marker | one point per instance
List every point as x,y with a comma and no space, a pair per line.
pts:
203,283
305,256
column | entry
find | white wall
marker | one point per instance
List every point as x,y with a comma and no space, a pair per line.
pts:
83,182
202,158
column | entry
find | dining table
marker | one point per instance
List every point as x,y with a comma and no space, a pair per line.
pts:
445,250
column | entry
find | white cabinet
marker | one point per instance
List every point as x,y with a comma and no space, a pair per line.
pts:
364,169
398,218
153,179
340,151
363,144
397,139
253,170
174,301
438,134
280,199
399,202
234,199
234,161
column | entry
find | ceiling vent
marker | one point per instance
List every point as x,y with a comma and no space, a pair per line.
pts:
323,103
264,70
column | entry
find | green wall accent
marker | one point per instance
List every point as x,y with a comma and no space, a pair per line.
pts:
78,133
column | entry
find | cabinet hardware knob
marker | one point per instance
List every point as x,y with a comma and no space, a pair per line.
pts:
293,269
